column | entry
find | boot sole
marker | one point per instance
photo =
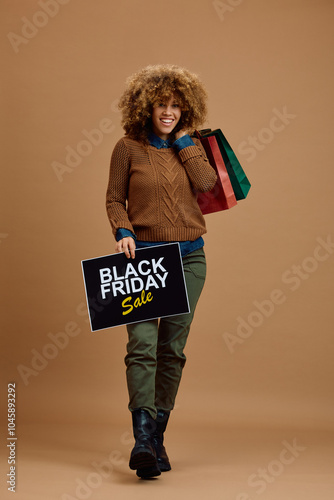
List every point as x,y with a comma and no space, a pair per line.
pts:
143,460
148,472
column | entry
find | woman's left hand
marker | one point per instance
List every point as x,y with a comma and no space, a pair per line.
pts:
181,133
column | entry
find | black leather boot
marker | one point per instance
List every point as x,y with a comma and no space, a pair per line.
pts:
143,456
158,439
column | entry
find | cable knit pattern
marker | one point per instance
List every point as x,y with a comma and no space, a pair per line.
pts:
170,182
151,191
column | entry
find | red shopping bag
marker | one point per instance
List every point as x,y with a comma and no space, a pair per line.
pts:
222,196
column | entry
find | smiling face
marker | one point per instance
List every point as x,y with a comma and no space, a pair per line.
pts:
165,117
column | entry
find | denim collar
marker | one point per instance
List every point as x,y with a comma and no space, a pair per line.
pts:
157,142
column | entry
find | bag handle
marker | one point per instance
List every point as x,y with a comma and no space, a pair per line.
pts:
199,133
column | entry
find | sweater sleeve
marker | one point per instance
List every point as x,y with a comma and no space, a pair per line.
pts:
202,176
118,188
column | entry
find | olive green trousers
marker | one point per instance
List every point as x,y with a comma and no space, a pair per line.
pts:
155,356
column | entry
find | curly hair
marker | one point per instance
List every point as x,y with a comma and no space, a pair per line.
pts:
155,84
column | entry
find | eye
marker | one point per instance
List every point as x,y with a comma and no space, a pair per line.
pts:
175,105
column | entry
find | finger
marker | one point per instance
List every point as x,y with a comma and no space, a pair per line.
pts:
129,247
126,251
120,246
132,249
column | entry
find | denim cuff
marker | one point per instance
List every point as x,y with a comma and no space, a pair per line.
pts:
183,142
124,233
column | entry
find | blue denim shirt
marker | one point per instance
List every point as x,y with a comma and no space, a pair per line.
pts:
185,246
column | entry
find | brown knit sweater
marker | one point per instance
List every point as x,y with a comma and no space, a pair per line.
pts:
151,191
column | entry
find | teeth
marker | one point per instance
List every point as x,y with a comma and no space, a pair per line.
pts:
167,121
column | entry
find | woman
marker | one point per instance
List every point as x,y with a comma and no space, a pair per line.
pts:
155,171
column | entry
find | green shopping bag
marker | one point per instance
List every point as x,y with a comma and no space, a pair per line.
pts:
238,178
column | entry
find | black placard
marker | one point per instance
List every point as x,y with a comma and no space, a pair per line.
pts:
120,291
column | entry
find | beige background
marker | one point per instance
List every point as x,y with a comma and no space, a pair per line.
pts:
257,58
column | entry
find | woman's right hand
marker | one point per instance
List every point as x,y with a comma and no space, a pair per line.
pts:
126,245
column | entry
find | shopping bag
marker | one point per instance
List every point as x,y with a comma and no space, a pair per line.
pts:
222,196
238,178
